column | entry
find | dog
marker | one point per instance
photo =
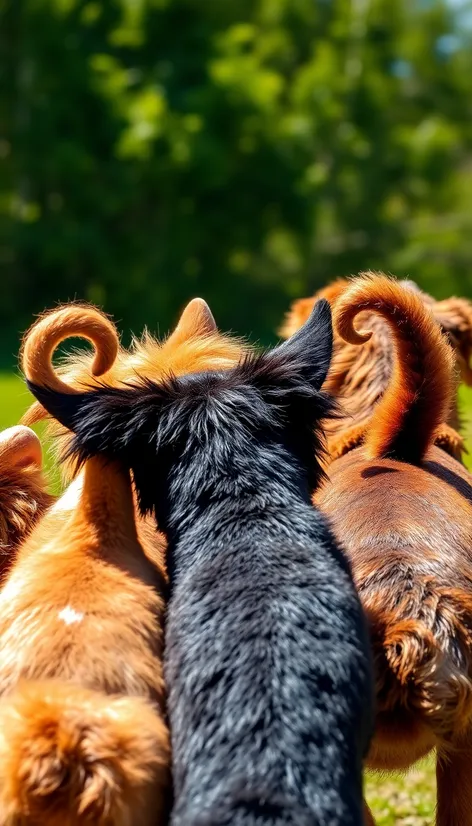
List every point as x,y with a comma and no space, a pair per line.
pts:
82,702
403,508
267,659
359,375
23,490
193,345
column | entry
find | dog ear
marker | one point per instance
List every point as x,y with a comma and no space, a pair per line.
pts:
105,420
305,357
20,447
196,320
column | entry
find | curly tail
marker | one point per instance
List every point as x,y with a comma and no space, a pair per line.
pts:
419,394
71,757
300,309
46,334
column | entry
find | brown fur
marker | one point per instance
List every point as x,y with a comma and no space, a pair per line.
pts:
455,317
360,374
408,531
418,396
83,740
194,345
81,748
23,494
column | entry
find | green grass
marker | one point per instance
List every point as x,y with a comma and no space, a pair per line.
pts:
403,799
396,800
465,397
15,400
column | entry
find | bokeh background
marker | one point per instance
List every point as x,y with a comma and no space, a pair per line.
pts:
242,150
247,151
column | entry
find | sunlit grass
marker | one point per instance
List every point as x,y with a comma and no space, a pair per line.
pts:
403,799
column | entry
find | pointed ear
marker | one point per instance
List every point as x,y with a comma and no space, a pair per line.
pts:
196,320
104,420
307,353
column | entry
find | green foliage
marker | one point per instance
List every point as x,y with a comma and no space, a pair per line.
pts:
243,150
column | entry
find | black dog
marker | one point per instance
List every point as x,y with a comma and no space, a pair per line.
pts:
267,657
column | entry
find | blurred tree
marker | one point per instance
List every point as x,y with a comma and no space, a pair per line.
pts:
242,150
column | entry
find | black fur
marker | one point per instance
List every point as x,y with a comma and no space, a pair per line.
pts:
267,657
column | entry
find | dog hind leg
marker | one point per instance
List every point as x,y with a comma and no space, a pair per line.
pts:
454,788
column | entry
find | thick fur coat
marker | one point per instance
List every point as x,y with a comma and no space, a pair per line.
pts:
403,508
194,345
82,733
267,657
360,373
82,737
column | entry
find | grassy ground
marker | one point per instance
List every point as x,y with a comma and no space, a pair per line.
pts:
403,799
396,800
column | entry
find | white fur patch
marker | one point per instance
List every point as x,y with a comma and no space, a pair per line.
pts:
69,616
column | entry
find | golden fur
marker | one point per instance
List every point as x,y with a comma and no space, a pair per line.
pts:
359,374
403,511
193,346
113,739
82,695
83,738
82,733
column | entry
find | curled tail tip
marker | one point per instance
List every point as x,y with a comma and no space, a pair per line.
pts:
41,340
344,325
418,396
105,358
361,293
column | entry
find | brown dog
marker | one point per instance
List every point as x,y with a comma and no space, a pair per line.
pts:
82,737
359,375
194,345
23,494
403,510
